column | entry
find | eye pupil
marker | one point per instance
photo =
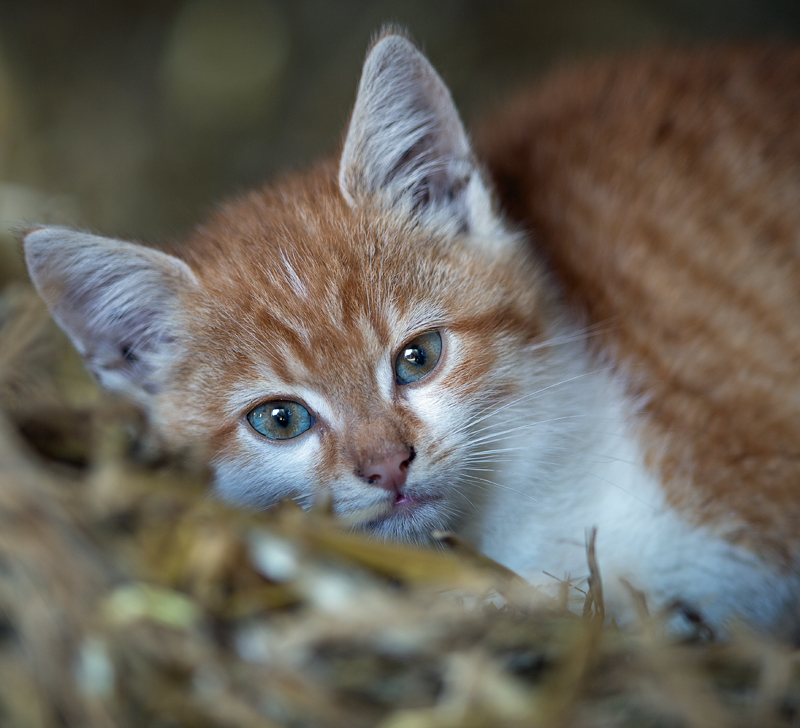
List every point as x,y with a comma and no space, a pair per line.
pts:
415,355
282,416
280,419
418,357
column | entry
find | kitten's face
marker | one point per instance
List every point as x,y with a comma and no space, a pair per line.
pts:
353,340
345,333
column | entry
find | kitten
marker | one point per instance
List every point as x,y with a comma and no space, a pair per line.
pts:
373,328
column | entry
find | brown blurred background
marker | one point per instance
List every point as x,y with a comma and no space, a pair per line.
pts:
130,118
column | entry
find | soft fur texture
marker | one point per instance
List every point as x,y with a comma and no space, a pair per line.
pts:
635,369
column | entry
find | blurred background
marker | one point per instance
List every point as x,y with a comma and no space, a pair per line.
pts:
131,118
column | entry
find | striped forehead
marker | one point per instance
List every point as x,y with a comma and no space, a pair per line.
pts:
324,301
352,293
332,347
329,367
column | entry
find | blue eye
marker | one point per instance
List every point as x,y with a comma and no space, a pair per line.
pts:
418,357
280,419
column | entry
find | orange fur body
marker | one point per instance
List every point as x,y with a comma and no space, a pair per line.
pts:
664,194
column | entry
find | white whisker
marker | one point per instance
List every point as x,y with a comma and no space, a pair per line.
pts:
478,480
532,395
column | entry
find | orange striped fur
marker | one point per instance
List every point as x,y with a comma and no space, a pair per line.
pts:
664,192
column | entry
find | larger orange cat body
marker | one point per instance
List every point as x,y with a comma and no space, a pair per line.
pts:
664,192
376,330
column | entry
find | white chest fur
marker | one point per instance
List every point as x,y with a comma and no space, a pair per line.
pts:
575,464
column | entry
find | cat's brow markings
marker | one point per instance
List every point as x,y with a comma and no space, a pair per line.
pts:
383,371
244,397
294,280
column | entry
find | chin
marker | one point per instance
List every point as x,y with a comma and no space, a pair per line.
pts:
413,523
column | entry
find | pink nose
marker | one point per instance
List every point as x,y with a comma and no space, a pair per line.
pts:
389,469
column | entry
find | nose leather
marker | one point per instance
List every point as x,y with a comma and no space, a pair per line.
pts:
388,470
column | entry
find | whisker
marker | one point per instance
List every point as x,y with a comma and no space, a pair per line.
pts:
478,480
505,434
533,395
584,416
527,426
486,456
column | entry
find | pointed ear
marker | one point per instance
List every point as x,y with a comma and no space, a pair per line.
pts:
406,141
118,302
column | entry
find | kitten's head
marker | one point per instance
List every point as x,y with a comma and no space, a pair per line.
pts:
347,330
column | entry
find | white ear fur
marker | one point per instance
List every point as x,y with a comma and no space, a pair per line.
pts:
406,140
116,301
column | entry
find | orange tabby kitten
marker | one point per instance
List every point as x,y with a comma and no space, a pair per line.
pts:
374,328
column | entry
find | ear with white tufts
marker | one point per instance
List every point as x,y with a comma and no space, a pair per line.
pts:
406,143
118,302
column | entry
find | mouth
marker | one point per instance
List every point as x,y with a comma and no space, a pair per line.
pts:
403,508
410,517
406,505
403,500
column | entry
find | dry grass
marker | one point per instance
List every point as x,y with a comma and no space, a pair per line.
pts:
128,598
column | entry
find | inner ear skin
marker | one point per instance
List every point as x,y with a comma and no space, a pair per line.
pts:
440,184
402,100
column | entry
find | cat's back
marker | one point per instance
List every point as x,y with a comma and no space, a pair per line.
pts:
664,192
